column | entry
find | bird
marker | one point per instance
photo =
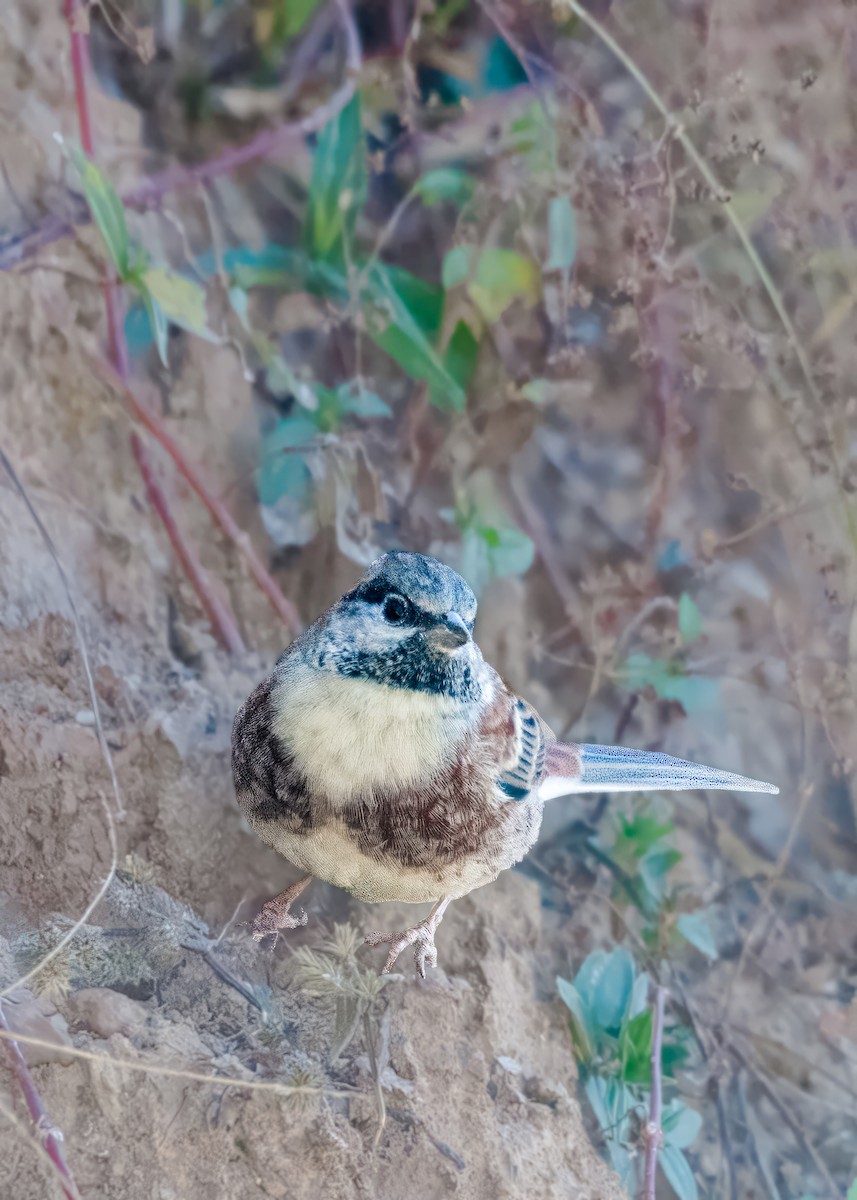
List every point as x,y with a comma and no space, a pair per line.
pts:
383,755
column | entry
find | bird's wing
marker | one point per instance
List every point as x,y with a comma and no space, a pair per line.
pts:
524,767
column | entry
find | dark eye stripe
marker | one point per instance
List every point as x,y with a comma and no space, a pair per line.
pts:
376,590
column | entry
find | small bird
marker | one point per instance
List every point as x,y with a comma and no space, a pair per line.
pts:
385,756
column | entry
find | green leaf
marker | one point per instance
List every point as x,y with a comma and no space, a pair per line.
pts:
689,618
423,300
675,1167
536,391
694,928
613,989
338,185
238,301
852,1191
639,995
670,682
107,210
502,277
392,326
158,322
681,1125
578,1019
181,300
445,183
460,359
361,402
282,381
290,432
457,266
613,1103
290,17
638,835
655,867
492,551
510,552
533,136
562,232
402,311
281,474
636,1047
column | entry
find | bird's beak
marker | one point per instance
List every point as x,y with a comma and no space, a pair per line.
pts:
449,633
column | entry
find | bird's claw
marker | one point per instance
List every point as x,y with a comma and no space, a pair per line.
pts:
273,919
421,937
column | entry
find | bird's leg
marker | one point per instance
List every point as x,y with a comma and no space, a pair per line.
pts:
425,951
275,914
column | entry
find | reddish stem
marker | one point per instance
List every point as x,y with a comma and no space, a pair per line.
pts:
50,1135
218,613
141,412
654,1135
75,14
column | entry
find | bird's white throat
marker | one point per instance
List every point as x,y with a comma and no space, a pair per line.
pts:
353,737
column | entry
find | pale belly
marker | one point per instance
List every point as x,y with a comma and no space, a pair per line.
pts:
330,853
352,740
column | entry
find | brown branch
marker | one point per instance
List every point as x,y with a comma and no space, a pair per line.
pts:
220,514
218,614
49,1135
151,191
654,1135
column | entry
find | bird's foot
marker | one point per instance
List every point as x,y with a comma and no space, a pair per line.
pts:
420,936
275,915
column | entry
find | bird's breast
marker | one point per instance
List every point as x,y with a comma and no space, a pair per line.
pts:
353,738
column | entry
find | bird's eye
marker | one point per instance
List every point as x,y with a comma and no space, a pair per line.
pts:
395,609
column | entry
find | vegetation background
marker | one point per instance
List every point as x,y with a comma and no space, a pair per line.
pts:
565,296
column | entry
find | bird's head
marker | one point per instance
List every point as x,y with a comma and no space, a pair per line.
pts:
407,624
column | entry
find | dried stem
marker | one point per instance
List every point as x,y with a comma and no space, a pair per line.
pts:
654,1133
720,193
49,1135
218,510
149,1068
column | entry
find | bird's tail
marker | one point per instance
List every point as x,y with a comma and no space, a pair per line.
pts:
589,768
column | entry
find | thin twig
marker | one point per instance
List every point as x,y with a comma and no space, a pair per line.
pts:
99,729
148,1068
654,1133
217,612
218,510
49,1135
744,1057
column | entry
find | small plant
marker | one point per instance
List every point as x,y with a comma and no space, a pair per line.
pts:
166,296
491,546
612,1031
333,974
670,678
640,859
